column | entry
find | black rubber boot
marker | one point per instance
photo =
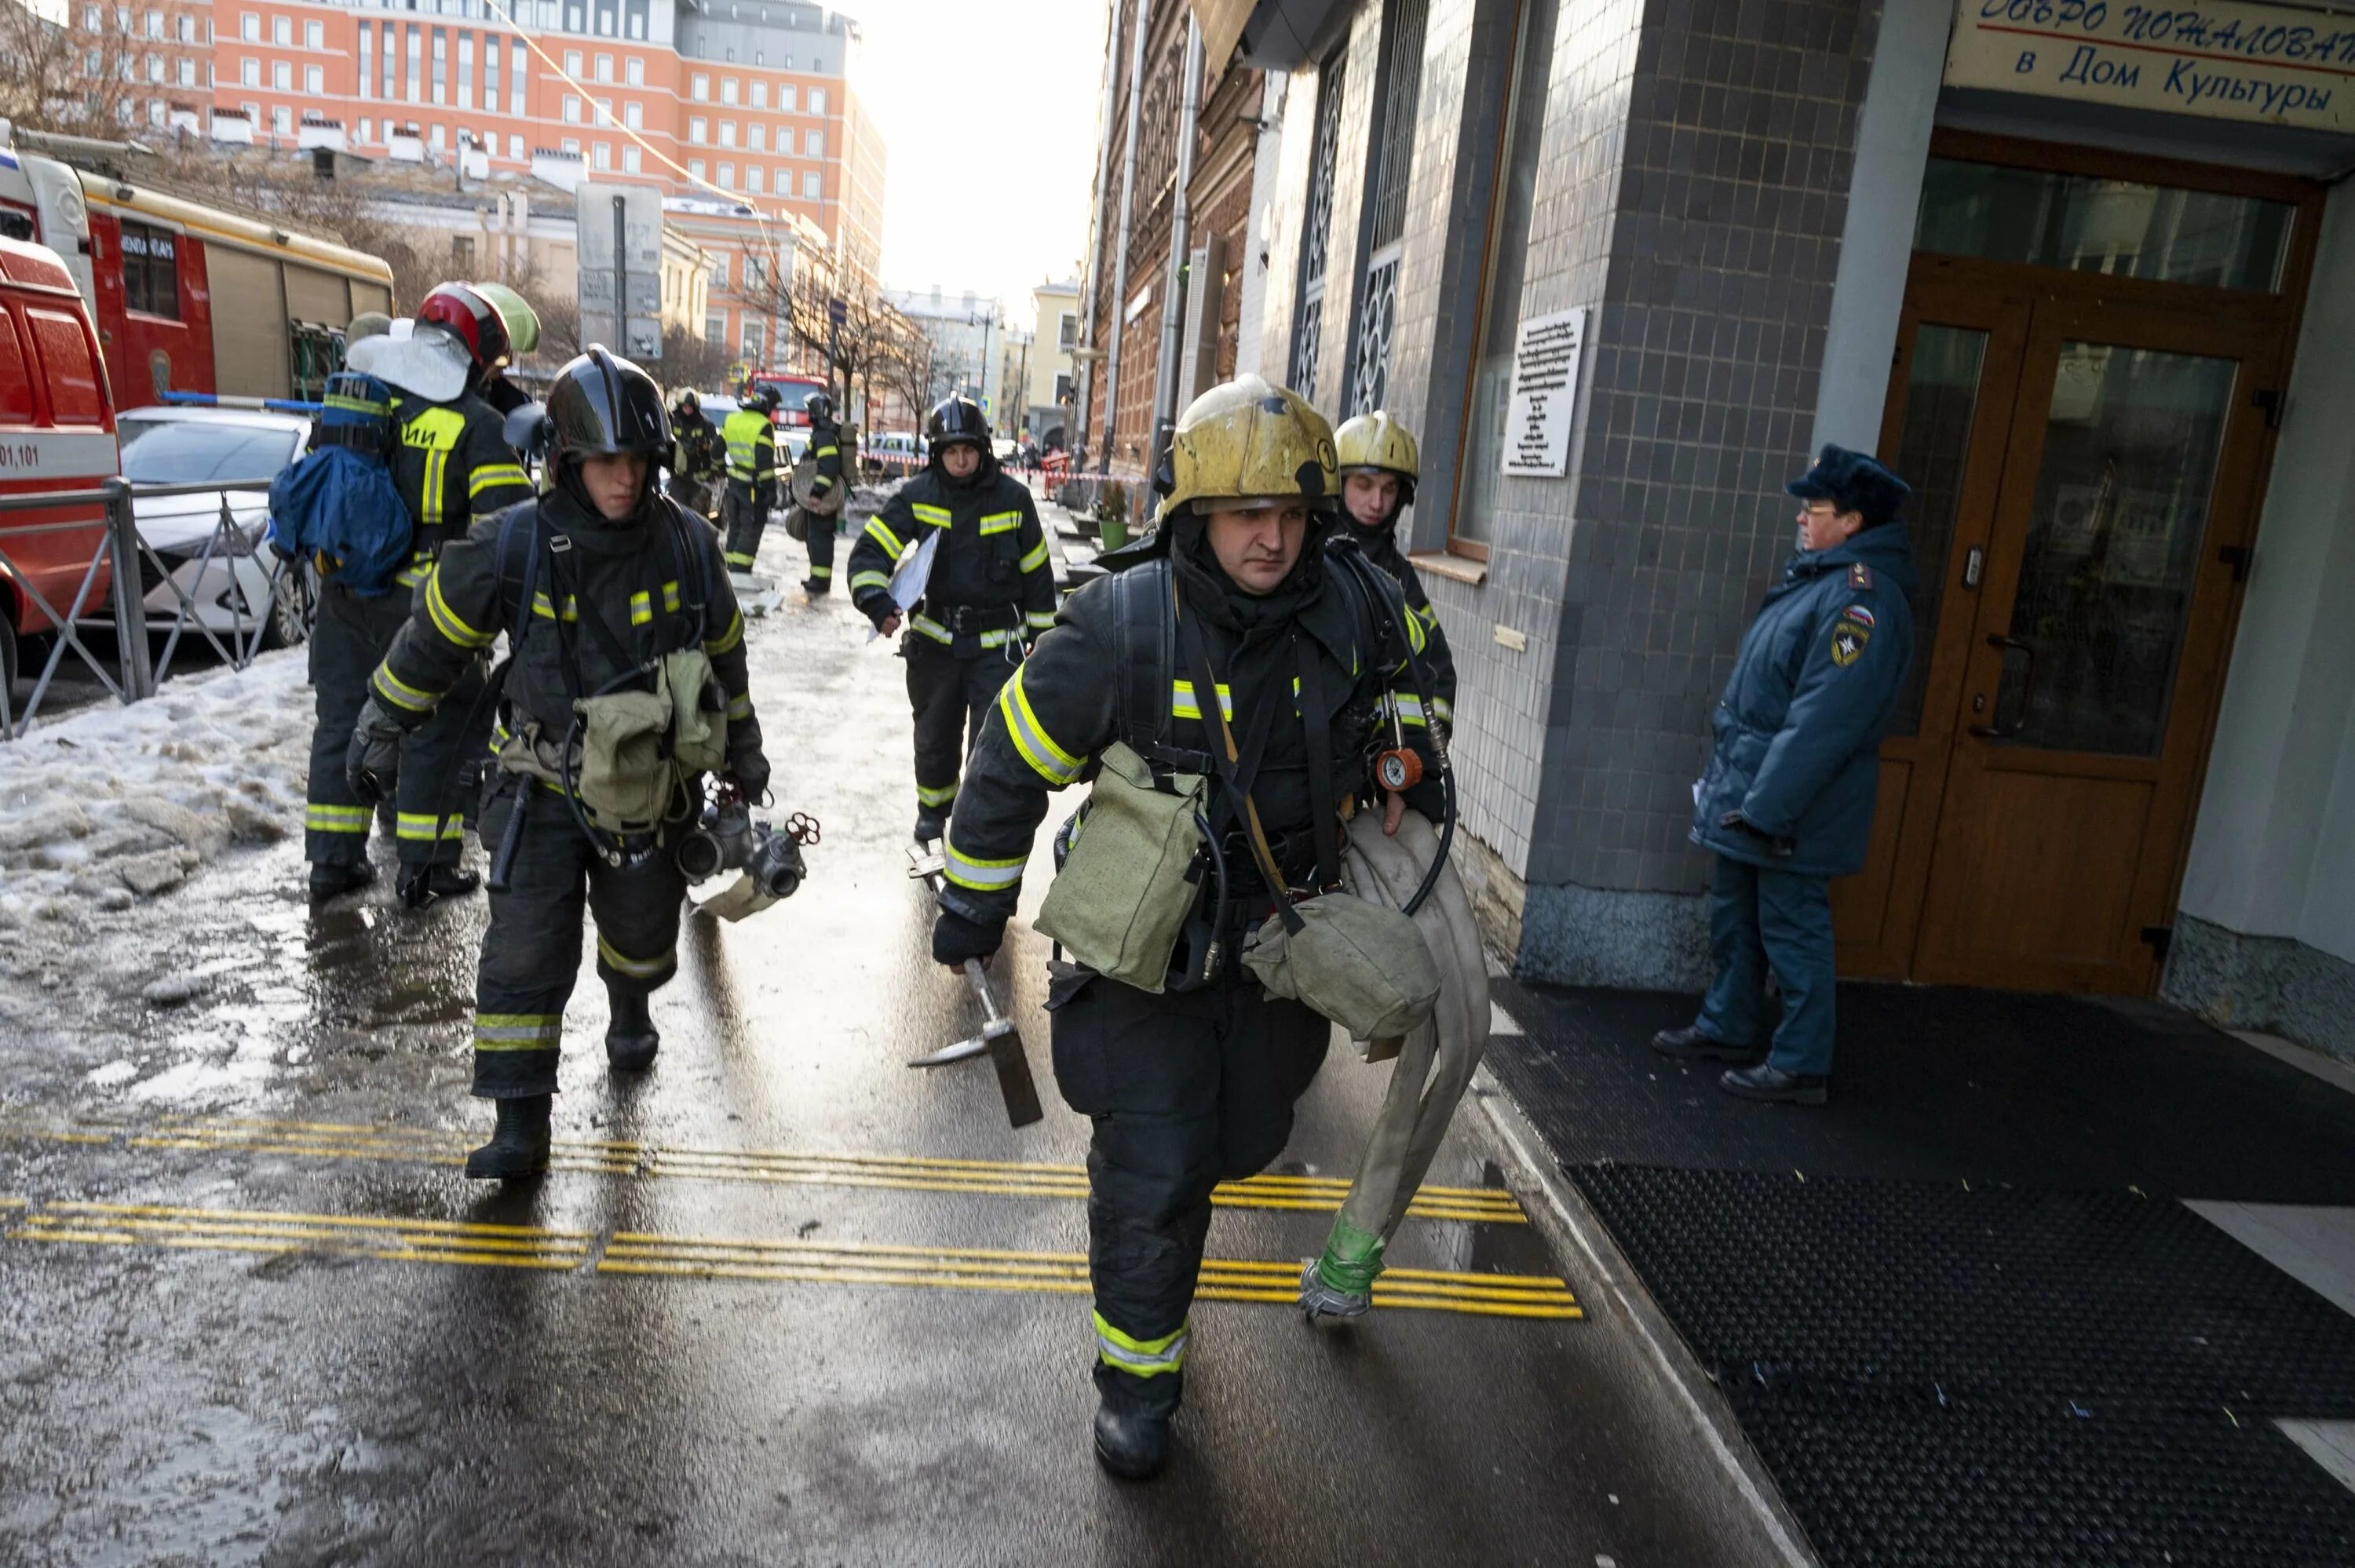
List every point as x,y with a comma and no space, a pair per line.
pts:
931,826
818,587
422,886
1690,1044
1775,1085
333,881
631,1040
518,1145
1132,1443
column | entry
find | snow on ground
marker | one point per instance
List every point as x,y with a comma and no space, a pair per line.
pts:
113,804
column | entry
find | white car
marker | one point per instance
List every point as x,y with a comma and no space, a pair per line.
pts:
792,441
188,445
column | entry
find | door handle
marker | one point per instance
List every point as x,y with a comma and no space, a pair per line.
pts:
2004,644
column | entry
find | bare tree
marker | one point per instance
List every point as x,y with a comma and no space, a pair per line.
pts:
63,75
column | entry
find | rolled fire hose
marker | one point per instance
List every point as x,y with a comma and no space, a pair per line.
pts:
1432,1067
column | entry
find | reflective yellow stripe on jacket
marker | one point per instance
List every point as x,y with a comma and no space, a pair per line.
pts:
434,431
1038,748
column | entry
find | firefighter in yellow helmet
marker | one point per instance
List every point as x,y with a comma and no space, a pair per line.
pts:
1379,465
1200,638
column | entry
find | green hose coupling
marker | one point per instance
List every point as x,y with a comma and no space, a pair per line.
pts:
1341,1283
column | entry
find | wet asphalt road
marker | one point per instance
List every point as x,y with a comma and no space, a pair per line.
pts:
249,1312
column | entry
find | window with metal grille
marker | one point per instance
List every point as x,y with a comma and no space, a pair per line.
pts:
1399,91
1316,231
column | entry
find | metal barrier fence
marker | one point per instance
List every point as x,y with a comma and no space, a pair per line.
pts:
121,547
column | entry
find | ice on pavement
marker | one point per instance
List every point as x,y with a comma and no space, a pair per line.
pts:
111,804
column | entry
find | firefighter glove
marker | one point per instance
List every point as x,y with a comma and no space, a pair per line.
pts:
956,938
751,771
372,762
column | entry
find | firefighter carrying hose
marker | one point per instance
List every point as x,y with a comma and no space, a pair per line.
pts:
450,463
990,594
751,440
825,493
625,686
696,458
1230,676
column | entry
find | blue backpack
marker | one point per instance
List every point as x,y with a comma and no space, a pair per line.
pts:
337,504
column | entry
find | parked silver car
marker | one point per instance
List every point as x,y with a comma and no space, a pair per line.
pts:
190,446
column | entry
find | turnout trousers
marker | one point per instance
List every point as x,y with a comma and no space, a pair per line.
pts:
745,519
531,953
950,697
1185,1090
817,533
1759,917
440,764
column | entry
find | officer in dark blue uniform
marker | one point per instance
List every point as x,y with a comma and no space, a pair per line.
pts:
1787,801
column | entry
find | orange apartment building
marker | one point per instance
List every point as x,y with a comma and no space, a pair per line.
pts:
729,100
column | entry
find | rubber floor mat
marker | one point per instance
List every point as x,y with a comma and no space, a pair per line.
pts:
1938,1372
1936,1083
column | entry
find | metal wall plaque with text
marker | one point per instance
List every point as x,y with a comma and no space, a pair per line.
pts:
1545,385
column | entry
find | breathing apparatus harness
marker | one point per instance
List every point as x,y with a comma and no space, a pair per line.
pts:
772,857
1149,621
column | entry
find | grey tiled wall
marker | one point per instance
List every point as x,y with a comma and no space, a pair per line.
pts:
1691,195
1733,189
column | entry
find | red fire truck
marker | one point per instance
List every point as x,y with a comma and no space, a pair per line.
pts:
186,297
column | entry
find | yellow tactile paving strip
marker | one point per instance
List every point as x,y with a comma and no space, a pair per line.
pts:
277,1232
340,1140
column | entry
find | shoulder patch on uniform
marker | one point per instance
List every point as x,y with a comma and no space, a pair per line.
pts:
1860,574
1860,613
1849,637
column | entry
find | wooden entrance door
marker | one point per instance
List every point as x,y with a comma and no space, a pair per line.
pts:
2095,647
2087,470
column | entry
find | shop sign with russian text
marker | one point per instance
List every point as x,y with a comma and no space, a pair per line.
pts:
2265,63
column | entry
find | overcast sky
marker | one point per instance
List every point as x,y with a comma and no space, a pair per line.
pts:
988,108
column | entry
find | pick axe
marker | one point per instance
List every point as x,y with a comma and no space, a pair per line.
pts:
998,1036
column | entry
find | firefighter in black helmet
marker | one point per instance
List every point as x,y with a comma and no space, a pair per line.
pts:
606,590
696,456
990,593
825,492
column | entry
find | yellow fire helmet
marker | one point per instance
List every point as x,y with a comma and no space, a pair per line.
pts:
1245,442
1376,440
516,314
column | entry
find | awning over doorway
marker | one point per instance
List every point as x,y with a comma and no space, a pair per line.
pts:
1275,34
1222,23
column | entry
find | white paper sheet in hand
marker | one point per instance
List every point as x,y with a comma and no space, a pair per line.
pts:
909,577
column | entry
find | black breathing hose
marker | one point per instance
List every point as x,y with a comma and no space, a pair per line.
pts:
1447,837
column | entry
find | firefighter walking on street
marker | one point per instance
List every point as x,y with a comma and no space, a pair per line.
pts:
1234,653
826,493
990,594
624,688
750,436
696,456
450,463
